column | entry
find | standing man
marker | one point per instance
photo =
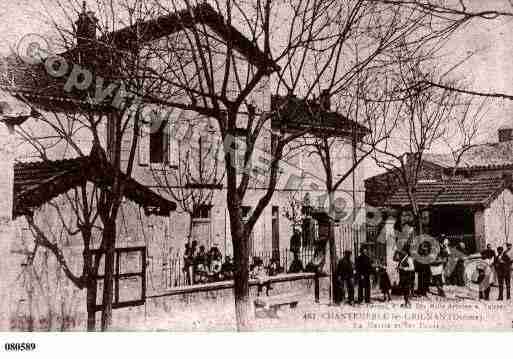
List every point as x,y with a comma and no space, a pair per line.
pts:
363,272
488,253
345,276
423,270
507,275
503,269
295,242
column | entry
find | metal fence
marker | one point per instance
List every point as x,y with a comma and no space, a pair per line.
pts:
349,238
173,274
346,238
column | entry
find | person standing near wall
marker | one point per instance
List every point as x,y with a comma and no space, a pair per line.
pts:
503,269
345,278
364,269
295,242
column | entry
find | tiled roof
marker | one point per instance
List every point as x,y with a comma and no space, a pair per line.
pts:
475,192
485,156
33,83
203,13
295,113
36,183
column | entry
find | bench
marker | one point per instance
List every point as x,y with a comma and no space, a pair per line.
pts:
267,307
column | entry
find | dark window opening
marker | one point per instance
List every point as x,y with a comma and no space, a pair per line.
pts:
159,145
202,211
245,212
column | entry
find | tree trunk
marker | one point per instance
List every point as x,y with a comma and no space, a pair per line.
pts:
333,261
241,280
109,233
332,247
91,304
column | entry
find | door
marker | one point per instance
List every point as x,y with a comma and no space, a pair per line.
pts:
275,228
201,232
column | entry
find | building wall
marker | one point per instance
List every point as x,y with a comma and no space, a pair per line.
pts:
498,219
301,173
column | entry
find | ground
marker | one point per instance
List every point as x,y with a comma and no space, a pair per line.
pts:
461,310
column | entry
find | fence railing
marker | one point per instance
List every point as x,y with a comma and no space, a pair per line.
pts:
349,238
173,274
346,238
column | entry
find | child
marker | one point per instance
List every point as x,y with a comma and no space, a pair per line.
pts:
481,277
258,272
384,283
437,269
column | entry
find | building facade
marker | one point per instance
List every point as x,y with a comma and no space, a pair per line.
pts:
469,201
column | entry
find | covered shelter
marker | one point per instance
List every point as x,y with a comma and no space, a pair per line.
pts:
466,211
36,183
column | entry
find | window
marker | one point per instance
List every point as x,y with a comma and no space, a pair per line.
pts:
202,211
157,141
274,143
201,225
159,144
245,212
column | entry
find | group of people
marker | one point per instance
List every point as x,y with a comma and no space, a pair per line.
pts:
495,265
360,273
448,267
201,266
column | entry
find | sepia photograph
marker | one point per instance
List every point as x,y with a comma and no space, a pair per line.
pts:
255,165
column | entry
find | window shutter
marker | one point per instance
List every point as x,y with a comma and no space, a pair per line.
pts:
144,144
175,133
173,150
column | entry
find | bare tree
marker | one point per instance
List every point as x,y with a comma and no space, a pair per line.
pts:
430,118
208,66
198,172
314,45
87,102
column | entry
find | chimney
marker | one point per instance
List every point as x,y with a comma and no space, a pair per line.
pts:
324,100
505,134
86,27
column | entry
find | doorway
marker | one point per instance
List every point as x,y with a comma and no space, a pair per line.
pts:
275,232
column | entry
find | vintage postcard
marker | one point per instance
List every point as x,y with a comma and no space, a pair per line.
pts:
229,165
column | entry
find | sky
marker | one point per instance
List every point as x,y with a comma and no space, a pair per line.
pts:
489,69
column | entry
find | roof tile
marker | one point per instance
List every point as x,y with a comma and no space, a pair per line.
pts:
475,192
488,155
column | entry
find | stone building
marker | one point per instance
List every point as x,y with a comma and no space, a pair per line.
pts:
151,214
469,201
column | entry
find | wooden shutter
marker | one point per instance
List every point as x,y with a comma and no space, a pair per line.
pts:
174,136
173,150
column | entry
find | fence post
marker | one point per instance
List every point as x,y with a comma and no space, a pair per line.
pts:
316,288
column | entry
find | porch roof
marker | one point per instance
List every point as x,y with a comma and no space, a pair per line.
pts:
295,114
36,183
450,193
